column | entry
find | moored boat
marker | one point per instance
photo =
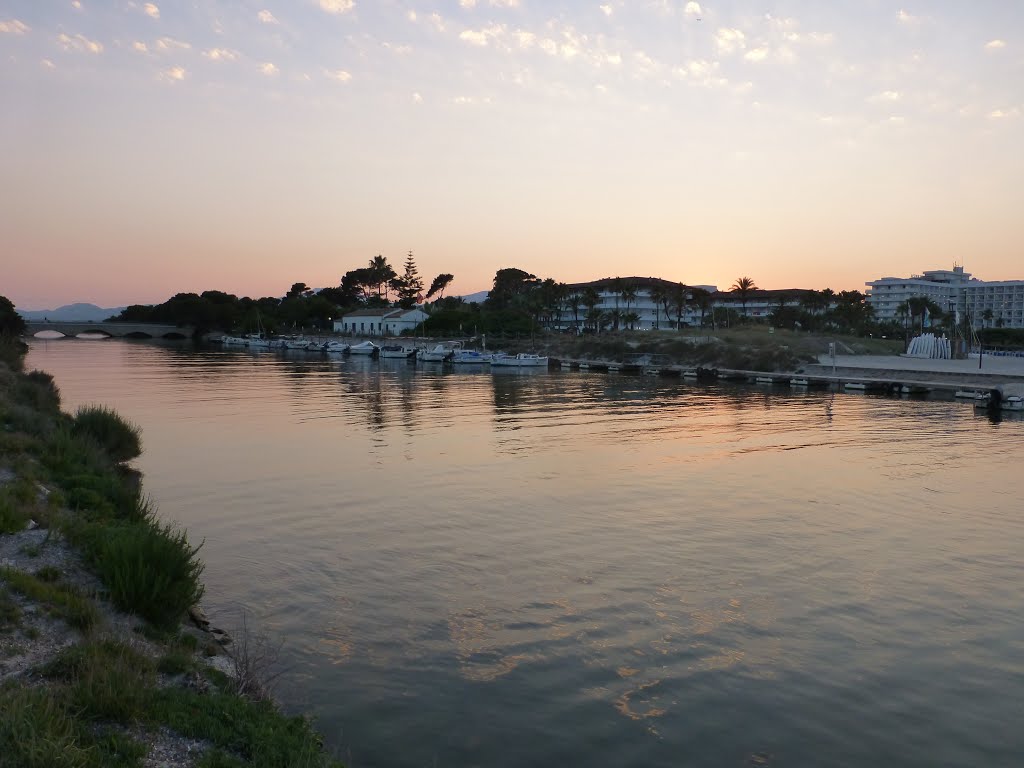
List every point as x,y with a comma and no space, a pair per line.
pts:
397,351
439,353
364,348
470,357
522,360
335,347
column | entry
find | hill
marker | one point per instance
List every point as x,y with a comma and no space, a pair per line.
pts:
79,313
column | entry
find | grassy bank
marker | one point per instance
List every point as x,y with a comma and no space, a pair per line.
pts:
754,347
98,663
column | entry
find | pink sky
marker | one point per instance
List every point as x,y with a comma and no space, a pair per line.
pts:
154,149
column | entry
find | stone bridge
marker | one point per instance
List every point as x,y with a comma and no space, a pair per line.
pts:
117,330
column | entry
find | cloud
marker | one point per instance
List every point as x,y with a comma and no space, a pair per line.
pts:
606,9
139,46
889,97
411,15
1002,114
341,75
151,10
757,54
173,74
693,9
47,64
76,5
995,45
906,18
417,99
268,68
729,40
220,54
401,50
266,17
79,43
481,37
14,27
167,43
468,4
337,6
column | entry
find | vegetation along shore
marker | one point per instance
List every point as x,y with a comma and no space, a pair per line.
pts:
100,662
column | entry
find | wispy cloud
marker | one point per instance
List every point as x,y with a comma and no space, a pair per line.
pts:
266,17
220,54
79,43
341,75
1003,114
995,45
169,43
151,10
337,6
693,9
889,97
757,54
14,27
268,68
903,17
139,46
417,99
47,64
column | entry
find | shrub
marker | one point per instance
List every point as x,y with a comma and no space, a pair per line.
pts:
150,569
121,439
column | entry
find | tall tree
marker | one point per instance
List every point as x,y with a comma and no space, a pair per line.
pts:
298,291
380,275
409,285
701,298
680,294
438,284
743,287
573,303
509,284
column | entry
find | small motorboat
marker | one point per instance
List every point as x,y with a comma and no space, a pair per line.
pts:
398,351
522,360
470,357
439,353
364,348
335,347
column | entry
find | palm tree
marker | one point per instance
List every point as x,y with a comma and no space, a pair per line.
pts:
680,295
657,295
701,298
574,302
591,298
744,286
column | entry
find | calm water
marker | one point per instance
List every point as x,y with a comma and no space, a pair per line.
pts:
477,569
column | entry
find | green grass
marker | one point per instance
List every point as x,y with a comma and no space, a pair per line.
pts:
62,600
39,728
38,731
10,612
255,732
107,680
121,439
149,568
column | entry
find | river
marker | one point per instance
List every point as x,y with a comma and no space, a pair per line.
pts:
504,569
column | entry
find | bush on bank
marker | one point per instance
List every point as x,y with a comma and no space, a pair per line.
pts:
100,698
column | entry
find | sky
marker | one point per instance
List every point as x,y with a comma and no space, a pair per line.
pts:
151,148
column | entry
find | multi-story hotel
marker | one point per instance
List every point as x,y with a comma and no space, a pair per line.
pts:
998,303
651,314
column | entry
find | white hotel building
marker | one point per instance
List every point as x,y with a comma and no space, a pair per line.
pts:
954,291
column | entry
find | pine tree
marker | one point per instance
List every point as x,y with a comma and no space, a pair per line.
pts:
409,285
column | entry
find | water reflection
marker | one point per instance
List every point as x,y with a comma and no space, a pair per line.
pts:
613,569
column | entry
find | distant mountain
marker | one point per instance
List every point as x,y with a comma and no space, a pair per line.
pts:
72,313
477,298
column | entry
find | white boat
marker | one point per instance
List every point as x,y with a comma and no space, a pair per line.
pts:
798,382
364,348
233,341
439,353
259,341
1008,397
397,351
522,360
335,347
300,343
764,380
470,357
967,394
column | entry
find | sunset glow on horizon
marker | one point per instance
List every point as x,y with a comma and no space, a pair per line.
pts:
156,147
